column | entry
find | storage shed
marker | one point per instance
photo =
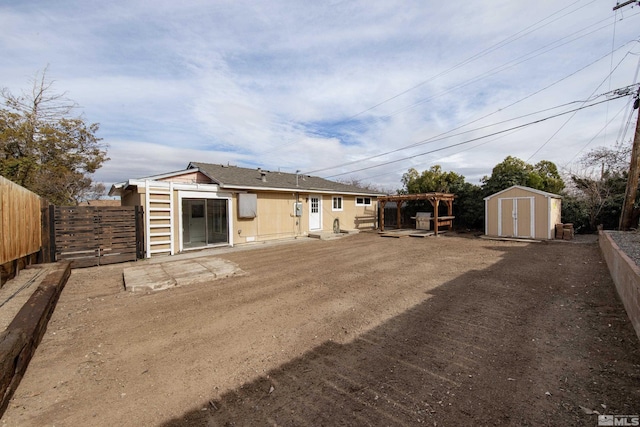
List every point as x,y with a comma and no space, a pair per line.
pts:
522,212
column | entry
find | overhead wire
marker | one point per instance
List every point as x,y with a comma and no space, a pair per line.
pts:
496,70
508,40
622,133
531,55
613,42
478,55
446,135
473,121
608,77
457,152
513,63
440,137
476,139
565,166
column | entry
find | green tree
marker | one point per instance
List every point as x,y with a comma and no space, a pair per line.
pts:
468,206
44,148
513,171
550,179
432,180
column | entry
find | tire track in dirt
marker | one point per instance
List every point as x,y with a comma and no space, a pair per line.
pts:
357,331
472,353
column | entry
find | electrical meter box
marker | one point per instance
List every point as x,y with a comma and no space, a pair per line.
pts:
297,208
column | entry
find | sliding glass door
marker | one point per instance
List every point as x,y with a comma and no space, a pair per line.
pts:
204,222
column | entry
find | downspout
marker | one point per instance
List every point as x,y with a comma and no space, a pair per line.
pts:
298,218
147,220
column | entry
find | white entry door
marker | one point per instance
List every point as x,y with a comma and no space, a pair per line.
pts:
315,213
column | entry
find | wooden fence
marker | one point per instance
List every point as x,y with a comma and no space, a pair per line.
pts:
97,235
20,222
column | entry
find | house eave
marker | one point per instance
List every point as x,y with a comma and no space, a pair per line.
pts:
119,188
296,190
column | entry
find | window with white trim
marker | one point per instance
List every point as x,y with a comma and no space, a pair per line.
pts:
363,201
337,203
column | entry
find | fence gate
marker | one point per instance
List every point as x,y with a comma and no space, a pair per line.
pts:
97,235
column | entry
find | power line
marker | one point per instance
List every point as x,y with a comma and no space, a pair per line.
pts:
608,77
624,128
513,63
531,55
595,136
626,3
478,55
477,139
442,136
459,151
510,64
436,138
622,133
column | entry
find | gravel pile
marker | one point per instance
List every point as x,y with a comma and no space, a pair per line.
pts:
629,243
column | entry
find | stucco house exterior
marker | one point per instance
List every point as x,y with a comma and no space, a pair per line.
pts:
522,212
208,205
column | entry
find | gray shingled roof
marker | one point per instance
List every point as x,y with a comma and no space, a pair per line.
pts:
235,176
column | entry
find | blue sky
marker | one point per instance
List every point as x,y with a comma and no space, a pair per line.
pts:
311,86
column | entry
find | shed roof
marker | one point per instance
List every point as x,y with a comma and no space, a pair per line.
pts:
522,187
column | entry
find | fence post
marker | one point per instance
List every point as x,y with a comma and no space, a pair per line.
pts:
139,232
52,233
44,255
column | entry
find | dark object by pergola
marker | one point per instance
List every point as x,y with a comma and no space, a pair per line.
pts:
433,198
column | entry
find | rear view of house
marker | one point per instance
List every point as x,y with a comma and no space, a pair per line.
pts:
217,205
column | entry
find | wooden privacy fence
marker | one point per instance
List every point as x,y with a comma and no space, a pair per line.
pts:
97,235
20,222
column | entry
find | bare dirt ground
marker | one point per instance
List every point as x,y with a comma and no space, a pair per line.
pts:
358,331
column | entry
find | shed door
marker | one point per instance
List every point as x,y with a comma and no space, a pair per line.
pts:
516,217
506,224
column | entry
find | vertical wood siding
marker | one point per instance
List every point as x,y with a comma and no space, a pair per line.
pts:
21,229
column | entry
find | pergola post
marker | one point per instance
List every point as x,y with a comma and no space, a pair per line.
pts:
433,198
436,204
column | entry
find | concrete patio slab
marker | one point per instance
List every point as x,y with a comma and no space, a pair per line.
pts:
158,276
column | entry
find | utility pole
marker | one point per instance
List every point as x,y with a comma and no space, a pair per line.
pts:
626,218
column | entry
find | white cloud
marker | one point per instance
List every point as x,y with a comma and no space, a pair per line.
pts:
290,84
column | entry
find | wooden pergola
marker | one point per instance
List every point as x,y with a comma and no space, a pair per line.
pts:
433,198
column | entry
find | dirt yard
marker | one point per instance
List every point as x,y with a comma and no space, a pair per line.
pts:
362,330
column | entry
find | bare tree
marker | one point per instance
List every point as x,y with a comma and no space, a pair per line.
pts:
44,147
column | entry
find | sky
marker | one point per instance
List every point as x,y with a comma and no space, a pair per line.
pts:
346,90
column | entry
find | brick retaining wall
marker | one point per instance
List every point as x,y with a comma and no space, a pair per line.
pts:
625,274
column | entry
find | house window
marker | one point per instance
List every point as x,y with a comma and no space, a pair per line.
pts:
363,201
337,203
